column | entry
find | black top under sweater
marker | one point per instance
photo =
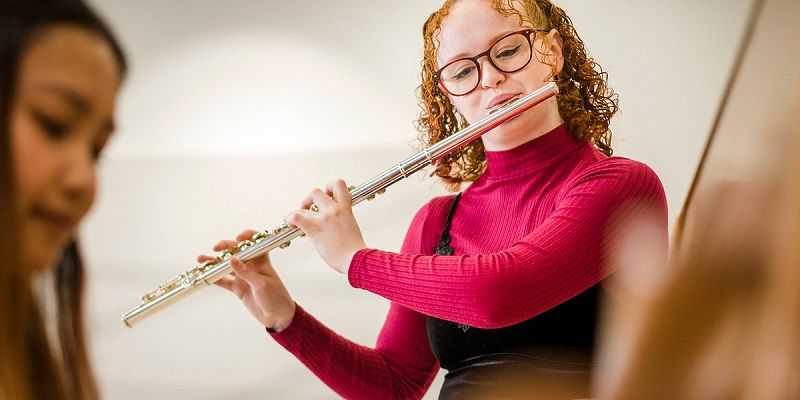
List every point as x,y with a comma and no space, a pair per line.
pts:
548,356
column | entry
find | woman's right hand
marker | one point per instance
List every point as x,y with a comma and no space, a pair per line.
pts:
257,285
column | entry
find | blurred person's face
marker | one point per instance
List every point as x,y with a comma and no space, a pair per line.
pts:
473,26
61,117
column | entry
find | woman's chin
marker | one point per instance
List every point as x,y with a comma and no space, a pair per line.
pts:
43,257
506,136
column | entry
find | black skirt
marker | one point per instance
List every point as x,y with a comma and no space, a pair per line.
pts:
547,376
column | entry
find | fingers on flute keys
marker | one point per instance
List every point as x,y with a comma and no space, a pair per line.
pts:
340,192
335,192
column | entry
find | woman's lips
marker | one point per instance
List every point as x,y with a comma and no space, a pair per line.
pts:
59,221
501,101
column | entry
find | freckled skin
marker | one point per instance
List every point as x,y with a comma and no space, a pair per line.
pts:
470,28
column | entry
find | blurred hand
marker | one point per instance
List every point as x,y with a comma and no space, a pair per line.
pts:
332,228
257,285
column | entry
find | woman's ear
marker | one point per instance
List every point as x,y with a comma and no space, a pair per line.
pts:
555,54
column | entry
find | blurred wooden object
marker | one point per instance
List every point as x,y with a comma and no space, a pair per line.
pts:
722,320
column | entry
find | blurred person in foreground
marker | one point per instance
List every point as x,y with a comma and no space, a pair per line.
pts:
60,71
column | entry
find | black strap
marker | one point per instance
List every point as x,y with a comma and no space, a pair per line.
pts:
443,248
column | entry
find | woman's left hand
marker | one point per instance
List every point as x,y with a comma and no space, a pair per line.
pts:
332,228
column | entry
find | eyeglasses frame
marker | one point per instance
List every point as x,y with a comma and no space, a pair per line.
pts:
437,76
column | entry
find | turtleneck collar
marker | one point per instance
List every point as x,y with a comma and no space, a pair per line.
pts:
531,155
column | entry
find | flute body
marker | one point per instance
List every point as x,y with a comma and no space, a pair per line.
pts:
280,237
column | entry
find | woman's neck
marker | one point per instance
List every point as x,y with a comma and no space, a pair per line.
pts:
533,155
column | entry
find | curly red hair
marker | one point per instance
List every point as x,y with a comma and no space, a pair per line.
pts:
585,102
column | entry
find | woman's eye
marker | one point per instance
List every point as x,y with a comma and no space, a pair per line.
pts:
463,73
51,126
507,52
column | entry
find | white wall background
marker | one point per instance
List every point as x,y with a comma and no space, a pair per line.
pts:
234,110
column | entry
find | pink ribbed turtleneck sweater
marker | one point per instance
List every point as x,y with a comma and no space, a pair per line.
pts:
532,232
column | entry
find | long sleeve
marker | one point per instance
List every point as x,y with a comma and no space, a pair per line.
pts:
401,366
561,257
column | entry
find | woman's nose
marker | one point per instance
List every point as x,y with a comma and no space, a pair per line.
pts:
490,75
79,176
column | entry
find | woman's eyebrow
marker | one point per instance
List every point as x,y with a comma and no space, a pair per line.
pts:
466,55
71,96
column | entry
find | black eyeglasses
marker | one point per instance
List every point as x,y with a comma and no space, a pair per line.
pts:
510,53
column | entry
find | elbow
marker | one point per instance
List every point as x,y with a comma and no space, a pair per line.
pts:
408,383
493,294
493,318
492,310
411,388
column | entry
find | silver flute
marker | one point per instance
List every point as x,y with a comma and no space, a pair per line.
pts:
281,236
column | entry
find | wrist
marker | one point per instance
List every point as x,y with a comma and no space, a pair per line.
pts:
284,321
344,268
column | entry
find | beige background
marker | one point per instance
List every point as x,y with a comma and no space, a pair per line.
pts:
234,110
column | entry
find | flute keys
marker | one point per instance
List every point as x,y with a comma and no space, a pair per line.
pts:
280,229
244,245
259,236
225,255
148,297
372,196
206,265
188,279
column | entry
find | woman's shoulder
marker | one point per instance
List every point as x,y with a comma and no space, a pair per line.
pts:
437,206
622,163
616,181
427,224
618,171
